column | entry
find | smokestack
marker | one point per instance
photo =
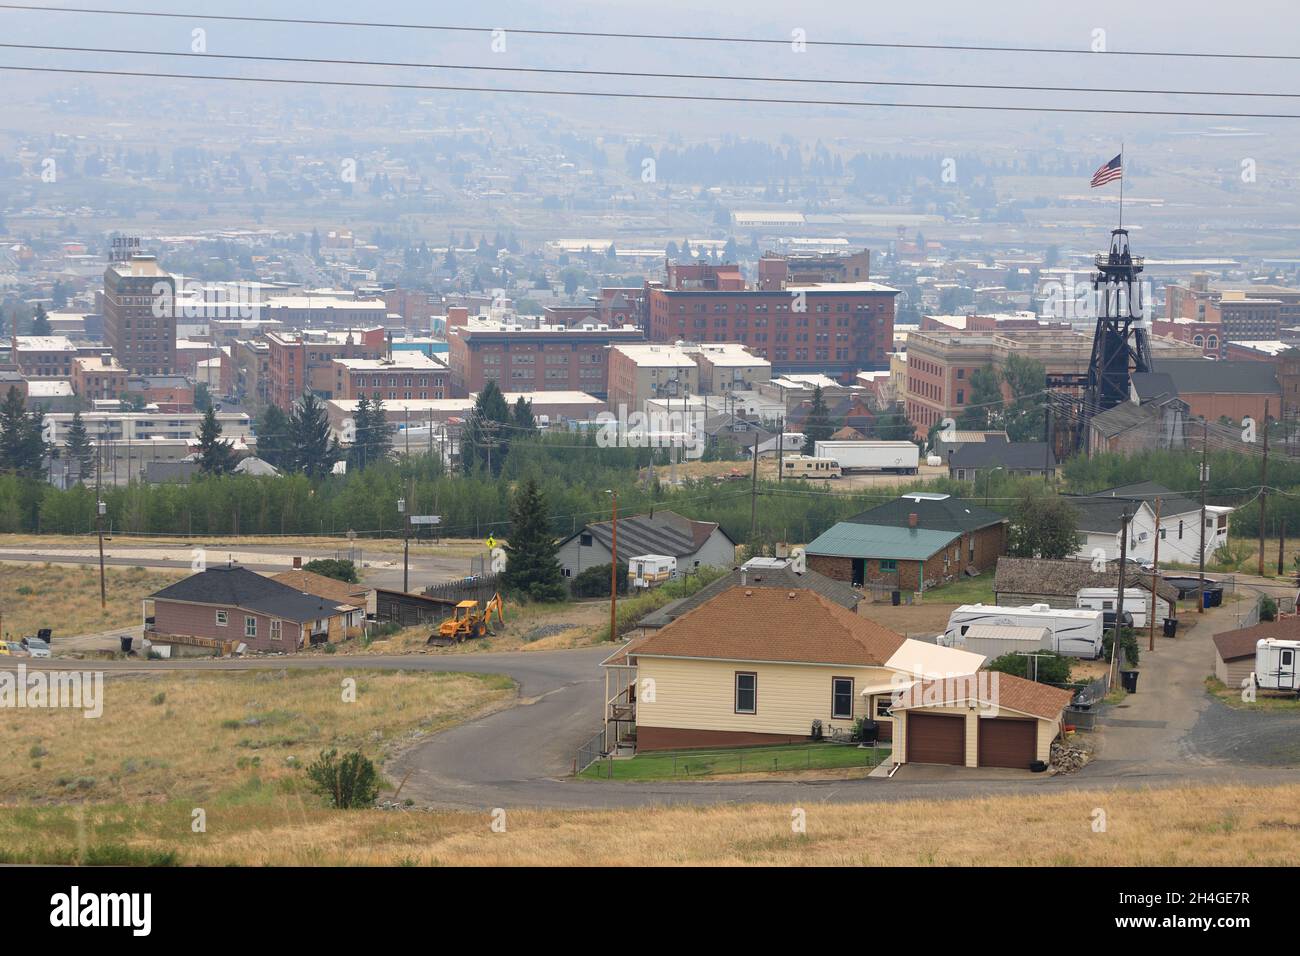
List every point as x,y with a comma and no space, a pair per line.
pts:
913,519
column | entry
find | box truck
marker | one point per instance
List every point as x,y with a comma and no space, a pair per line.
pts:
899,457
1075,632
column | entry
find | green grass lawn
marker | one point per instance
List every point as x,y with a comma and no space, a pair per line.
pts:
680,764
1264,699
964,590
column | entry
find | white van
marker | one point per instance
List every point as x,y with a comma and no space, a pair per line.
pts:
1075,632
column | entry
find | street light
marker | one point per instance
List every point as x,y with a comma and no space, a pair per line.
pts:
988,478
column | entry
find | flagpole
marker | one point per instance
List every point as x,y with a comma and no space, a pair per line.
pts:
1121,185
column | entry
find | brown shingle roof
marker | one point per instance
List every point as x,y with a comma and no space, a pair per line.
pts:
321,586
1067,576
770,624
991,688
1233,645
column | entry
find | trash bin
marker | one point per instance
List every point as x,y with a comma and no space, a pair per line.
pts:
126,645
1171,627
1213,597
895,598
1130,681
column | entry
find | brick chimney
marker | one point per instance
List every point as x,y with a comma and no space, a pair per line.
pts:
457,316
913,520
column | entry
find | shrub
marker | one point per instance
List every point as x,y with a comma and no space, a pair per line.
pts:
594,582
1268,609
337,568
348,782
1127,642
1052,668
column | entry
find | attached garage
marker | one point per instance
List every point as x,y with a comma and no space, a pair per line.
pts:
936,738
1008,742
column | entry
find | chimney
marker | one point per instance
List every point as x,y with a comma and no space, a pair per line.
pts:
297,563
742,577
913,519
457,316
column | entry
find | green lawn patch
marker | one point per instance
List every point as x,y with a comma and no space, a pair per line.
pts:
964,590
1264,699
684,764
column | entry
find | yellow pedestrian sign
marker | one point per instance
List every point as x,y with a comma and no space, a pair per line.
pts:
491,542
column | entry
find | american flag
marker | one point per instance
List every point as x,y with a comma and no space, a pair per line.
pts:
1109,172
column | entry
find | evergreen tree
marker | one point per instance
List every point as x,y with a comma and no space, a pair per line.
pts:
80,448
358,454
41,322
531,565
817,426
22,442
313,451
524,413
216,457
984,401
1026,378
379,440
484,440
274,445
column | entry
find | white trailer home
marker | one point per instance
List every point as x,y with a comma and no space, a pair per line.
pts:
1075,632
1137,601
1275,664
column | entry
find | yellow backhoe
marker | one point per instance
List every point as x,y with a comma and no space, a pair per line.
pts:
468,620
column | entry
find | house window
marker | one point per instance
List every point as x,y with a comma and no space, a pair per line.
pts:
250,627
585,541
746,692
275,629
883,703
841,698
223,618
888,564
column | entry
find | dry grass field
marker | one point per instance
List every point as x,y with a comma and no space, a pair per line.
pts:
172,735
1224,826
66,598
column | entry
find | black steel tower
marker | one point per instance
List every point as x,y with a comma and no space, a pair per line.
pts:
1119,344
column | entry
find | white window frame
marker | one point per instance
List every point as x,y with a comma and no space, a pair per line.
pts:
277,629
250,624
223,618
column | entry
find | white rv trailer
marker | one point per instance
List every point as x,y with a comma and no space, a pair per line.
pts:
650,570
1137,601
993,642
1075,632
1275,664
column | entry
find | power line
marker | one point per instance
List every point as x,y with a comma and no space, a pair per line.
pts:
679,97
671,37
631,74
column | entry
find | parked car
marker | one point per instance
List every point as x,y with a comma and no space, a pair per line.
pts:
13,649
1108,620
36,647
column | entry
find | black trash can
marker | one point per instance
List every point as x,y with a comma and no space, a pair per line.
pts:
895,598
126,645
1171,627
1130,681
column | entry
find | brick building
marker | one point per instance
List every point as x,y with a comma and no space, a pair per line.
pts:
406,375
139,315
44,356
911,543
301,361
833,327
98,377
537,357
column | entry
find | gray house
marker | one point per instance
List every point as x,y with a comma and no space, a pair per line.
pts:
694,544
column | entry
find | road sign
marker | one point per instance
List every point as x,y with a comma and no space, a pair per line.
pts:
426,519
491,542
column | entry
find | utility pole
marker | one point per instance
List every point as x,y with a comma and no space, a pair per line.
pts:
613,572
1205,476
753,489
780,447
1281,548
1047,440
99,530
1263,490
406,544
1155,576
1119,598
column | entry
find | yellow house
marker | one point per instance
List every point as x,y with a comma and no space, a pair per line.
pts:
757,665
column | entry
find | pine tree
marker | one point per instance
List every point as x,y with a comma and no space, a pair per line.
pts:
314,453
484,441
358,454
523,416
379,440
531,565
273,440
80,448
817,426
13,432
41,322
216,457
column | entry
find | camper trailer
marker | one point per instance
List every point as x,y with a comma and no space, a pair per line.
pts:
805,466
1075,632
1137,601
1275,665
650,570
993,641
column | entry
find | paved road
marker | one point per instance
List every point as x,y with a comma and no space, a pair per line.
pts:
381,569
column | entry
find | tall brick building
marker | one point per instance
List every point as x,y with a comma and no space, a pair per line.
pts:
304,361
140,315
836,328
